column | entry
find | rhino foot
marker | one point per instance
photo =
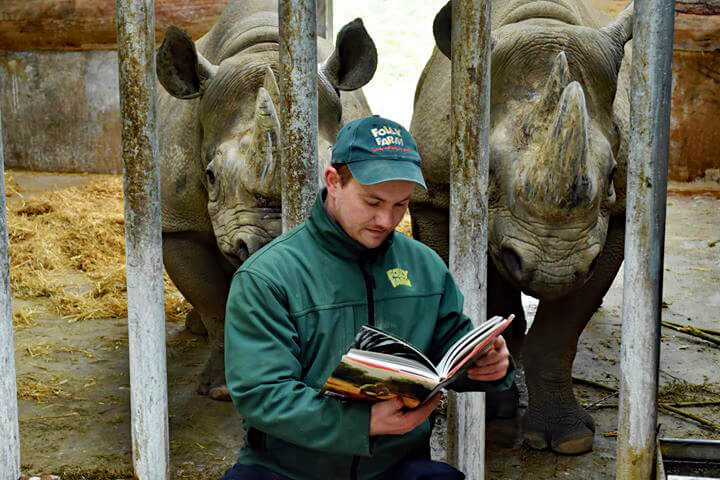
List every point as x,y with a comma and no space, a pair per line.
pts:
212,378
568,432
502,404
194,323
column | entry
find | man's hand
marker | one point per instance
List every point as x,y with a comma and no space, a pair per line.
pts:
389,417
493,365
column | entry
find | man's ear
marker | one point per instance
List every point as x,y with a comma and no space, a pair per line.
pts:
181,70
332,180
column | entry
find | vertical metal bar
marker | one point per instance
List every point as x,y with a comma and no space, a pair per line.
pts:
321,13
298,109
645,236
329,30
9,430
469,122
143,239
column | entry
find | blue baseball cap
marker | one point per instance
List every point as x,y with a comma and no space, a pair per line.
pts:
378,150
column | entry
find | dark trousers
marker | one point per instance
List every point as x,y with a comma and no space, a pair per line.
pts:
414,469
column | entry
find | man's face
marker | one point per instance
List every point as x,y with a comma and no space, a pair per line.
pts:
368,213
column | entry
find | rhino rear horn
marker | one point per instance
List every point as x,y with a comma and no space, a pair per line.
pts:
554,86
565,149
263,160
181,70
270,84
620,30
354,60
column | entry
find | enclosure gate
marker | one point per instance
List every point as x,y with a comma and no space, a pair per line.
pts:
645,221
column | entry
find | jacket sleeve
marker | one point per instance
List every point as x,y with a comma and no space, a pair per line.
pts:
263,372
452,324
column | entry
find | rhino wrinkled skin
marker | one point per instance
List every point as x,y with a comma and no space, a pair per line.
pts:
218,145
556,197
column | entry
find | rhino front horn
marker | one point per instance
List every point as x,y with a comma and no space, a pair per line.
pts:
566,147
264,154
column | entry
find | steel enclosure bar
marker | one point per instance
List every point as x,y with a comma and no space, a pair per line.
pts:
325,18
143,239
645,236
469,123
298,109
9,430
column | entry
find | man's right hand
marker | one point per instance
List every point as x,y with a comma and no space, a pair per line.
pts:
390,418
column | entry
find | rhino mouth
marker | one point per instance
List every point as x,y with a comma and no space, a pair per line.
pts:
247,232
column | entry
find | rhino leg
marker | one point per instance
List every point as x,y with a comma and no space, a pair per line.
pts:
197,268
194,324
504,299
430,219
553,418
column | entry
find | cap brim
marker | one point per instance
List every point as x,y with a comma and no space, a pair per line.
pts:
371,172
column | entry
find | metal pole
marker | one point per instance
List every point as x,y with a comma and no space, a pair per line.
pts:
469,123
324,12
9,430
645,236
143,242
298,109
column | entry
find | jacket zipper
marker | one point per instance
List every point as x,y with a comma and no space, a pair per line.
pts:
369,287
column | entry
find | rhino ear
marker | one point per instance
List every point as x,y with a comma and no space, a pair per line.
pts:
442,29
354,60
620,30
180,68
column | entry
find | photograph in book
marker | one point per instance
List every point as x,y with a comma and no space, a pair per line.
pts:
379,366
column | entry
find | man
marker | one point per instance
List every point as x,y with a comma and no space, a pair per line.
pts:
294,308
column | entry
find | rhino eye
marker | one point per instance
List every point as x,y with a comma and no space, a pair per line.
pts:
210,176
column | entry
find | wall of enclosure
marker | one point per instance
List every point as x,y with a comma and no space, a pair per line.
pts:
59,79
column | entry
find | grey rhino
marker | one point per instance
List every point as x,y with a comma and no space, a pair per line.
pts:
218,146
556,199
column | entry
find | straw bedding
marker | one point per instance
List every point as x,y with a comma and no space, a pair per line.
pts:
67,246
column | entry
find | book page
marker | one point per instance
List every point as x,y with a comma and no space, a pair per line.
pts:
472,346
373,339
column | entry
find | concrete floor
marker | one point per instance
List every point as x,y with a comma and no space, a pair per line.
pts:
85,432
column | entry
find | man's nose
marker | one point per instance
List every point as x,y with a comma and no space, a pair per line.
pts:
384,219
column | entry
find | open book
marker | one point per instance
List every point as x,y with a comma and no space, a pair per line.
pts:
379,366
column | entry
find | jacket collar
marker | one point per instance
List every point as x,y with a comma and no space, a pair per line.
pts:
330,235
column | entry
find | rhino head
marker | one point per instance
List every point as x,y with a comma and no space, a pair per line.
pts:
240,130
558,148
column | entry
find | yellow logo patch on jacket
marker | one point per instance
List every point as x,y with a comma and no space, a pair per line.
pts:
398,277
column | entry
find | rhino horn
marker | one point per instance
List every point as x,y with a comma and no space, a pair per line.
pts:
620,31
554,87
270,84
263,160
565,149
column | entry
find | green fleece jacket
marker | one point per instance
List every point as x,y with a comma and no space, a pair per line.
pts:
293,310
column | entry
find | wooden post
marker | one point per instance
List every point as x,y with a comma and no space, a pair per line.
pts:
645,237
298,109
9,431
469,165
143,240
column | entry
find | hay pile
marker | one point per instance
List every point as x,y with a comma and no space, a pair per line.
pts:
68,246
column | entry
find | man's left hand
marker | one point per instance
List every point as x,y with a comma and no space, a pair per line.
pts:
493,365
